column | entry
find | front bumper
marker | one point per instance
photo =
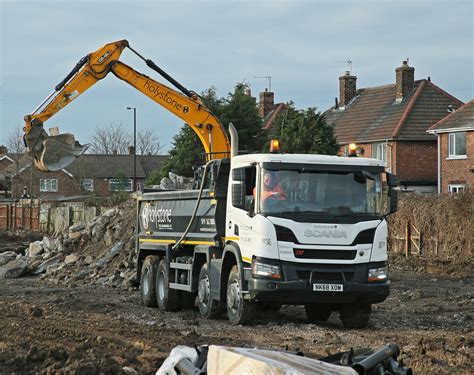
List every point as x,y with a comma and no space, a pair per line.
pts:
296,288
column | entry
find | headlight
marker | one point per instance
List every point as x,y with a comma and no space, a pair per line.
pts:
270,271
377,274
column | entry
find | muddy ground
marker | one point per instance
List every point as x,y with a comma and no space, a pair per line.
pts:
84,330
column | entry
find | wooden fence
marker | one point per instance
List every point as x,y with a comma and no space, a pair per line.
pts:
413,242
22,214
39,216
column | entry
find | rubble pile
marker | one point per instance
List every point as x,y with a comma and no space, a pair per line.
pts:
98,253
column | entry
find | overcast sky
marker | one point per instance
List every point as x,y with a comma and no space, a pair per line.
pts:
302,45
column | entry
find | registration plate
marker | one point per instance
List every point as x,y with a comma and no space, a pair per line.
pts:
328,287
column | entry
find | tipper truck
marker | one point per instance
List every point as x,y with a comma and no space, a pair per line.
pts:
262,230
320,241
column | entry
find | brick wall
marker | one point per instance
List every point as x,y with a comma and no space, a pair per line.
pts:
416,160
411,160
67,185
457,171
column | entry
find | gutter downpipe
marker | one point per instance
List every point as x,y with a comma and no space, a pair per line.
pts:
439,163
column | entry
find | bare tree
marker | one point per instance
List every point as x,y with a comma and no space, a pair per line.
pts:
107,139
115,137
16,151
148,143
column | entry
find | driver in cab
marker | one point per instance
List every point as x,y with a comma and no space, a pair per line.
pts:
271,187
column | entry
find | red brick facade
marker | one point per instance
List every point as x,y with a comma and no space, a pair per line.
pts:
457,171
415,160
67,186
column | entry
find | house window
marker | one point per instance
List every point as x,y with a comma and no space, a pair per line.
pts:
48,185
457,144
122,184
379,151
456,188
87,184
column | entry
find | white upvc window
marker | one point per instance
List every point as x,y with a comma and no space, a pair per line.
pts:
379,151
456,188
48,185
457,144
87,184
124,184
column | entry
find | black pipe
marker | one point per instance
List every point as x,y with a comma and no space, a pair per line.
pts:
368,364
165,75
78,66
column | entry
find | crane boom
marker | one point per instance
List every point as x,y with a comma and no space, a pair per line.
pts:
52,153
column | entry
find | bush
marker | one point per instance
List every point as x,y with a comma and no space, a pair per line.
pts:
446,224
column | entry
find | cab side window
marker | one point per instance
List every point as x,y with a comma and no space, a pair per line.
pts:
243,186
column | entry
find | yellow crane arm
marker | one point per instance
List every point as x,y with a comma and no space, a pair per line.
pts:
52,153
190,109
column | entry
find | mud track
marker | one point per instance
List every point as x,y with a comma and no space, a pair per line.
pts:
87,330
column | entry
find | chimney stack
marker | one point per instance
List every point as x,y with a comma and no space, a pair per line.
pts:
347,88
131,150
3,150
265,106
405,76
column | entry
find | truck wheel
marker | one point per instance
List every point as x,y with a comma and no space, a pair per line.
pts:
168,299
355,316
318,312
207,306
148,281
239,310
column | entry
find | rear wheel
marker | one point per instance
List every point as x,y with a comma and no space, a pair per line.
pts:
167,299
355,316
207,306
239,310
318,312
148,281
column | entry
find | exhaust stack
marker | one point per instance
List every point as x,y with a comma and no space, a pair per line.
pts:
234,140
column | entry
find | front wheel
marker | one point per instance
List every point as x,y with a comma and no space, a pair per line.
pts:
207,306
168,299
239,310
355,316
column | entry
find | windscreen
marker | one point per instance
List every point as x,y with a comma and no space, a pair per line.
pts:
355,193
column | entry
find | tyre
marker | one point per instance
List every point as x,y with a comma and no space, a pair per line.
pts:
167,299
148,281
355,316
239,310
318,312
207,307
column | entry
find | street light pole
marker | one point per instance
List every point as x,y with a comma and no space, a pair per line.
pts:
134,147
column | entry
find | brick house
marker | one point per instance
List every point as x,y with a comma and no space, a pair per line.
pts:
100,175
455,134
389,123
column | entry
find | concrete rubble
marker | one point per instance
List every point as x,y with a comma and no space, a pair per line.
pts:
98,253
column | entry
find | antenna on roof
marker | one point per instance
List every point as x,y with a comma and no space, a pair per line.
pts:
269,81
348,62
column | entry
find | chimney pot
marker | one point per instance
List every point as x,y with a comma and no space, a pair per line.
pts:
347,88
405,80
265,106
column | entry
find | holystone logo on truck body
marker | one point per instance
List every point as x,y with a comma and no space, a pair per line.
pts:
156,215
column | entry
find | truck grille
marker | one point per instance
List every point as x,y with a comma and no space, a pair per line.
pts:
325,254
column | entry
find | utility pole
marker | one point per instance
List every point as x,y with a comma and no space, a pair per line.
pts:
134,147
